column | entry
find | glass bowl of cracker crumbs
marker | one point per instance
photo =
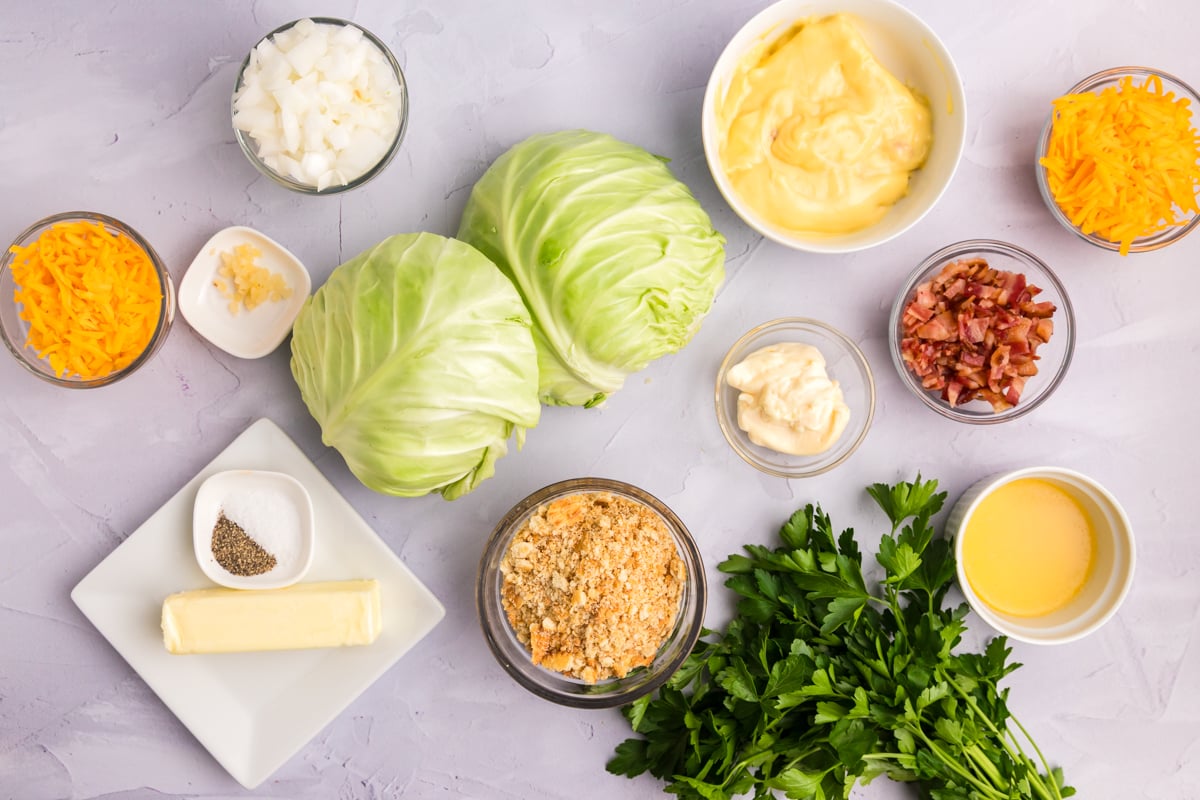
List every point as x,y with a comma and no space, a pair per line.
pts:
84,300
591,593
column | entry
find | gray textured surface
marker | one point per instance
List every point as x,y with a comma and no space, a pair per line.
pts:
124,109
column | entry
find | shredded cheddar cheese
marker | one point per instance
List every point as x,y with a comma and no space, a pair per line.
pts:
245,282
1124,163
91,296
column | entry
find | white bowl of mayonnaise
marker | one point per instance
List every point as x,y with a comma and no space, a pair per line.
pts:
794,397
833,126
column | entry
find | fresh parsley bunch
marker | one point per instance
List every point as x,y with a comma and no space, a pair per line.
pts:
819,683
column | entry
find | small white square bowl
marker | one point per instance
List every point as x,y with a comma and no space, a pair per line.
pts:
247,334
281,489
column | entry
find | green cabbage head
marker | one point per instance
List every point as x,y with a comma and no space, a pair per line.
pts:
614,257
417,361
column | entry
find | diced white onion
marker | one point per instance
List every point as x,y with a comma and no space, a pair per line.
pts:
321,103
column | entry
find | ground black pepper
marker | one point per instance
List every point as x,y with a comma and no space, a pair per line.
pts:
236,552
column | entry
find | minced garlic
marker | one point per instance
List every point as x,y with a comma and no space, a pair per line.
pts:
246,283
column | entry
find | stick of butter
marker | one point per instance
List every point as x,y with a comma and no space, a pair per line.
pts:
329,614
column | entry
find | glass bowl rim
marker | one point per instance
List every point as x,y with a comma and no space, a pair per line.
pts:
1145,244
243,138
851,348
493,626
943,256
165,312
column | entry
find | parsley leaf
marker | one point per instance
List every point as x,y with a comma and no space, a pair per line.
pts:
821,682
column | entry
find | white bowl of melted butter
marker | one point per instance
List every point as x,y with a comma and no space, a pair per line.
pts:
1044,555
833,127
795,397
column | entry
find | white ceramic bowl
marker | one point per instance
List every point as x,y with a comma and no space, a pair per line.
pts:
273,508
249,333
912,52
1106,585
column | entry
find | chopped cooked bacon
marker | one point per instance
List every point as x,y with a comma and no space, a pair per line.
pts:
1013,392
939,328
970,359
955,289
972,329
972,332
925,298
953,390
1040,310
1012,286
917,314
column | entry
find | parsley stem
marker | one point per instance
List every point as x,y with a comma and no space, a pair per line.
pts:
1042,758
985,765
1005,737
953,765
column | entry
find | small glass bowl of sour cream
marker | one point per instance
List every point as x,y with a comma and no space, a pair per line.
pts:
844,364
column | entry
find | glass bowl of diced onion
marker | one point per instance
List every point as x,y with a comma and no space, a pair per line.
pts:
320,105
1182,220
88,317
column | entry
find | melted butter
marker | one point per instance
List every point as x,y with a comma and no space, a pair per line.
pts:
816,136
1028,548
787,402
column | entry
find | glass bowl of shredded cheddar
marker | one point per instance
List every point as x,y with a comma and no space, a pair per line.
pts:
86,300
1119,159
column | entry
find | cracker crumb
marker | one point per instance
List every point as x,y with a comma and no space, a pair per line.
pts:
592,585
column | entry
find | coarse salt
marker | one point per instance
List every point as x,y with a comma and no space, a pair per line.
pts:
271,520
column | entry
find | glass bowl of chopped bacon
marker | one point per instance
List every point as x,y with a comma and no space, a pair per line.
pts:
86,300
1093,152
591,593
982,332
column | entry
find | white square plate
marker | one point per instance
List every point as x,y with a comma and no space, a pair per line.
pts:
253,711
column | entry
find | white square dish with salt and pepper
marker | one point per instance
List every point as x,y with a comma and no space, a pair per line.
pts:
255,710
253,529
246,319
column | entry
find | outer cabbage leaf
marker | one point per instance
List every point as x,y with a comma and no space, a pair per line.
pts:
614,257
417,361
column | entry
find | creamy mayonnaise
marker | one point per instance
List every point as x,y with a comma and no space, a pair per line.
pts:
787,402
816,136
